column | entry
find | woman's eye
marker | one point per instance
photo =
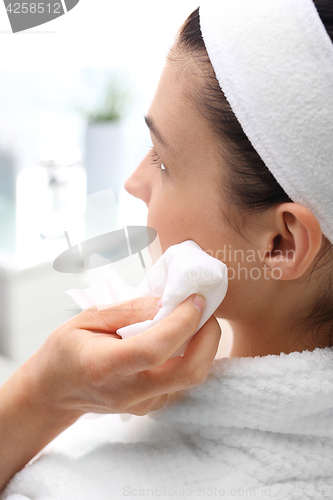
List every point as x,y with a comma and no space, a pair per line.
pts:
156,160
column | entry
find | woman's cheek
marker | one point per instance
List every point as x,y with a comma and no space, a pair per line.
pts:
160,219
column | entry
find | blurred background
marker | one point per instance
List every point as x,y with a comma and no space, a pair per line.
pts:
73,94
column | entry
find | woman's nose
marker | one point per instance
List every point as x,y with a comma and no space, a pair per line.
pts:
139,183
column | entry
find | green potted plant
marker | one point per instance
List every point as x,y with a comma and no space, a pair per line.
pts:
105,137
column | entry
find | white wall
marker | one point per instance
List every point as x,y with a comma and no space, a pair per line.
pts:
127,33
133,36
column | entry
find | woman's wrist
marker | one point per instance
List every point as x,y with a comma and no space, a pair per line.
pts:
27,424
45,413
41,383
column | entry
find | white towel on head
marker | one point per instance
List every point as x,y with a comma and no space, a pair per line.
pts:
183,270
274,62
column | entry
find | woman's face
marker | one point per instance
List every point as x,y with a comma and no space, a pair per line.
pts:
180,180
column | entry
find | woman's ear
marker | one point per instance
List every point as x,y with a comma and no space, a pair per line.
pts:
295,243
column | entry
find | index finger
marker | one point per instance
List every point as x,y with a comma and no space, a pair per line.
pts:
117,315
157,344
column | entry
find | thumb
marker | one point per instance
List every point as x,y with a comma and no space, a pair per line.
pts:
157,344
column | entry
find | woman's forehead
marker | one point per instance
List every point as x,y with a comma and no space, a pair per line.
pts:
173,113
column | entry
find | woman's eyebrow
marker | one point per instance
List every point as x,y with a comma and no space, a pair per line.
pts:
153,129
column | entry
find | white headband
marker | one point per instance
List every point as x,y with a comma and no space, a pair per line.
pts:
274,62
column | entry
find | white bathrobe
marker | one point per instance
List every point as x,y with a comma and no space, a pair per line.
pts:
257,428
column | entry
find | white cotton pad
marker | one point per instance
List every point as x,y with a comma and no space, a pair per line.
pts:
183,270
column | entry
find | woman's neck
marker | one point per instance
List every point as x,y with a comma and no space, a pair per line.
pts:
248,342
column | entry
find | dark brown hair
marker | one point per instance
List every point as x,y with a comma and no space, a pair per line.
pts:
251,187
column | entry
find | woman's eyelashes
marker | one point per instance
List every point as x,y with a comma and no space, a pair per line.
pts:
156,160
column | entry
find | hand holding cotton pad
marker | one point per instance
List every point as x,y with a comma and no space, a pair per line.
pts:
183,270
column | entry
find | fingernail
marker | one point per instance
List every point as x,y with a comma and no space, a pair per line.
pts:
199,303
159,303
